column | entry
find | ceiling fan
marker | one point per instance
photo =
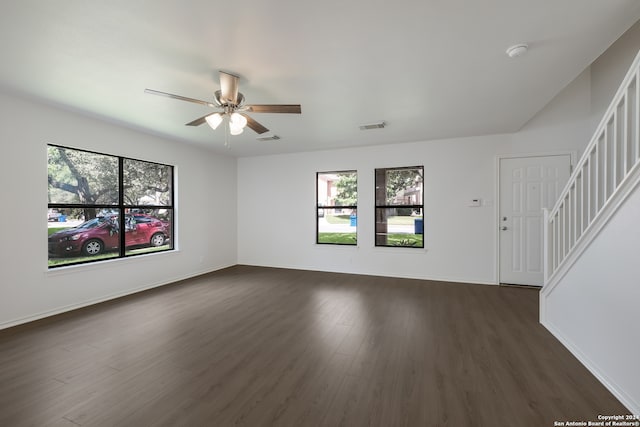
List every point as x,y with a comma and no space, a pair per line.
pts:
231,102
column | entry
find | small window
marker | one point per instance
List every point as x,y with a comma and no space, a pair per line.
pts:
399,207
337,208
103,206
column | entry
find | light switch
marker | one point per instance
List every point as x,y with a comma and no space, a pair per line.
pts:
475,203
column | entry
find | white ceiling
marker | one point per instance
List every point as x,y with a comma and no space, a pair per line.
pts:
428,68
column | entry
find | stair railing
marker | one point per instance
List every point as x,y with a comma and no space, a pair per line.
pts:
611,156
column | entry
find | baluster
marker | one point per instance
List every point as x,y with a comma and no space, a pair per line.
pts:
563,226
605,162
556,240
614,155
625,137
596,180
577,229
575,213
636,117
588,164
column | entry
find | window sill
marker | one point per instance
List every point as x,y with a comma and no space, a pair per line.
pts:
105,264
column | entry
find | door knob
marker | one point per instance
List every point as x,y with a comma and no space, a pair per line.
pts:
503,228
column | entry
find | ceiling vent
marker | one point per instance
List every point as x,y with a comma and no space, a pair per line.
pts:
378,125
268,138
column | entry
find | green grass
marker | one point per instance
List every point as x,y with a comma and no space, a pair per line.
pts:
394,239
403,239
52,230
340,238
55,262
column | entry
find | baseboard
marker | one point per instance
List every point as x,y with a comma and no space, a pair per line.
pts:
542,305
87,303
615,389
397,276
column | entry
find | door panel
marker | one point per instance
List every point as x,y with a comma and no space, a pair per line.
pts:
527,185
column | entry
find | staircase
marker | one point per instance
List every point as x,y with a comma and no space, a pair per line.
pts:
590,299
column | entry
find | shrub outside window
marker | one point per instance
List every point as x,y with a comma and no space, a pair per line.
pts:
102,206
399,207
337,207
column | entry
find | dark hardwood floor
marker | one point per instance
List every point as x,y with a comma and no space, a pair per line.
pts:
262,346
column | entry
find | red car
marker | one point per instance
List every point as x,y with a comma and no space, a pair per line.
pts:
102,234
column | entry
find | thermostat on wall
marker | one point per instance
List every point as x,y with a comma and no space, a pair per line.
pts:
475,203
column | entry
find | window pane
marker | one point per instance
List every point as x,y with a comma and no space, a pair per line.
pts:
399,227
147,183
74,238
399,186
81,177
337,226
338,188
89,218
147,230
337,200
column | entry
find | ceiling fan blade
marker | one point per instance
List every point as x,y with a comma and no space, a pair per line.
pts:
229,87
274,108
255,126
199,121
180,97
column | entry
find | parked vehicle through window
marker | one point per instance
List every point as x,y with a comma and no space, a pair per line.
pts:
90,192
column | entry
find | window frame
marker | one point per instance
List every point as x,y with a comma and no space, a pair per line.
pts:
318,207
379,207
121,206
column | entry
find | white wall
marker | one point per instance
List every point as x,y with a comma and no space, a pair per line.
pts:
593,310
276,204
276,193
608,71
276,210
206,216
564,123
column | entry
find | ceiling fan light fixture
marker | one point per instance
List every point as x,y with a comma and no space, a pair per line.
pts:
214,120
233,130
237,120
231,102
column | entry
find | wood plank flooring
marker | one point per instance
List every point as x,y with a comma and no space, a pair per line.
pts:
252,346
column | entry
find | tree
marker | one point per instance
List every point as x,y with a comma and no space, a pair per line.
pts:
146,183
347,186
82,178
400,179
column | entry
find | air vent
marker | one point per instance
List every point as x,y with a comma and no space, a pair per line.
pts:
268,138
378,125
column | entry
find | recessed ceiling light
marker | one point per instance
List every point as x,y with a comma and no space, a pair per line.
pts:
517,50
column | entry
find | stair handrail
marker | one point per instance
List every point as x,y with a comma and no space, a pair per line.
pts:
557,249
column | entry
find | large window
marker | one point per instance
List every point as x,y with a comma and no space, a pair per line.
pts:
103,206
399,207
337,207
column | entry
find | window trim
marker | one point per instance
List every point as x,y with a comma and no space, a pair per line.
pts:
318,207
121,206
387,206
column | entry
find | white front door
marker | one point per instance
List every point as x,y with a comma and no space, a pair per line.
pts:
527,185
